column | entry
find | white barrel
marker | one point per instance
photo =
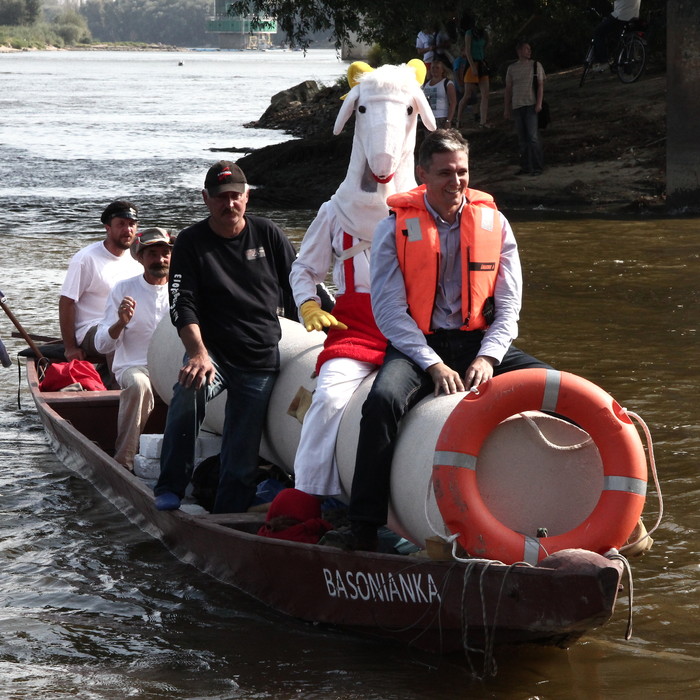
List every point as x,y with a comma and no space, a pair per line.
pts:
524,474
298,352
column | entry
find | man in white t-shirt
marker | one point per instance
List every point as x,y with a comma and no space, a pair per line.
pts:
134,309
623,11
92,272
425,45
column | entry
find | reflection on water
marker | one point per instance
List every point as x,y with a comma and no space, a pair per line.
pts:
94,608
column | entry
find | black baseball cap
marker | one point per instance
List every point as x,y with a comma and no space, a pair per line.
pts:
120,208
225,176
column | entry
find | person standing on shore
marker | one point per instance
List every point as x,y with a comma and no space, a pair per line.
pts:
227,275
477,75
523,102
440,92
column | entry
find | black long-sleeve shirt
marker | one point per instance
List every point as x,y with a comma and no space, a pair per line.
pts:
230,288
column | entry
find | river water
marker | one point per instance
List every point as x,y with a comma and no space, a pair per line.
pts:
90,607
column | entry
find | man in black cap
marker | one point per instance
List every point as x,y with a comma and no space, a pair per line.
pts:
92,272
226,276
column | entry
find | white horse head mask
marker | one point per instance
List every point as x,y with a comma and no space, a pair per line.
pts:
386,103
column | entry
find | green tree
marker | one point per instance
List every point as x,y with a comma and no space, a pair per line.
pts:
16,13
558,29
71,27
174,22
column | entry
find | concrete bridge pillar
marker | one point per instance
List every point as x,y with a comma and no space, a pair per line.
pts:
683,106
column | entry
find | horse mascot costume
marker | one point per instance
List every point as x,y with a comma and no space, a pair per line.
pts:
386,103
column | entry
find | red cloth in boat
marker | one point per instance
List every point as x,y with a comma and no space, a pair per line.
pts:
300,506
362,340
62,374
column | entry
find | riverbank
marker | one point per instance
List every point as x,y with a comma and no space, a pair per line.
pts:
605,150
6,48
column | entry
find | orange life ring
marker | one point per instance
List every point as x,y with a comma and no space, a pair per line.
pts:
459,443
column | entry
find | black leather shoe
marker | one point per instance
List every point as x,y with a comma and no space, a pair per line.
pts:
359,537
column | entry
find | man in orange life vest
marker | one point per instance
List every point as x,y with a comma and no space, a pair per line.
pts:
446,291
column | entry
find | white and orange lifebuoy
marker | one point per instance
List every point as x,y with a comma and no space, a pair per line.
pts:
461,438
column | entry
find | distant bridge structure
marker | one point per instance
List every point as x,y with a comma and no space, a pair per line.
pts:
238,31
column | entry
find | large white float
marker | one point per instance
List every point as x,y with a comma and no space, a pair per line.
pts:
526,480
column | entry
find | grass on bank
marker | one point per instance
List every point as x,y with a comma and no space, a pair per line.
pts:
37,36
44,36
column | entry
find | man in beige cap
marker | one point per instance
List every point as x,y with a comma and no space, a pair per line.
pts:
134,309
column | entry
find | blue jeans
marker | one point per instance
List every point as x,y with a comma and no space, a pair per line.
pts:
400,385
246,407
529,144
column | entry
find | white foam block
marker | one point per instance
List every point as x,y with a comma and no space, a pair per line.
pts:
146,467
150,445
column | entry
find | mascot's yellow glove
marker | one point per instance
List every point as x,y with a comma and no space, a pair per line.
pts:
316,319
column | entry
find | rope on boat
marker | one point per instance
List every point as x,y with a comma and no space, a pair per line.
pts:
563,448
451,539
489,667
615,554
654,474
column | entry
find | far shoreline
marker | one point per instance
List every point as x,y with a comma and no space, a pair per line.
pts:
100,47
592,167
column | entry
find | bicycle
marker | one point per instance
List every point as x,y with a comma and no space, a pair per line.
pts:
628,59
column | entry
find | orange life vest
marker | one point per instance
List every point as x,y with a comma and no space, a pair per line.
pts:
418,248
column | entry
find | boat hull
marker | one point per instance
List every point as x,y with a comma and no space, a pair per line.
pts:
433,605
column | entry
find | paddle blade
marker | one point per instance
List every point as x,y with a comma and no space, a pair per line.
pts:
4,357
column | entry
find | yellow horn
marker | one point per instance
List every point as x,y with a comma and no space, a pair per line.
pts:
420,69
355,70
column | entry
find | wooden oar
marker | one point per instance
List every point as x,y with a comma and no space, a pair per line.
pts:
18,326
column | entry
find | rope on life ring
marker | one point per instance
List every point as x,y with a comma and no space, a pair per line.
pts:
463,509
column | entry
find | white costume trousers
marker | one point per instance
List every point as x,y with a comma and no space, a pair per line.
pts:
135,405
315,468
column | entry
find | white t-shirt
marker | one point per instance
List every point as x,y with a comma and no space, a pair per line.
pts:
423,41
437,98
625,10
92,272
131,347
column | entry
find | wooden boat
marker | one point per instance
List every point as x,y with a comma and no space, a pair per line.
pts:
441,606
